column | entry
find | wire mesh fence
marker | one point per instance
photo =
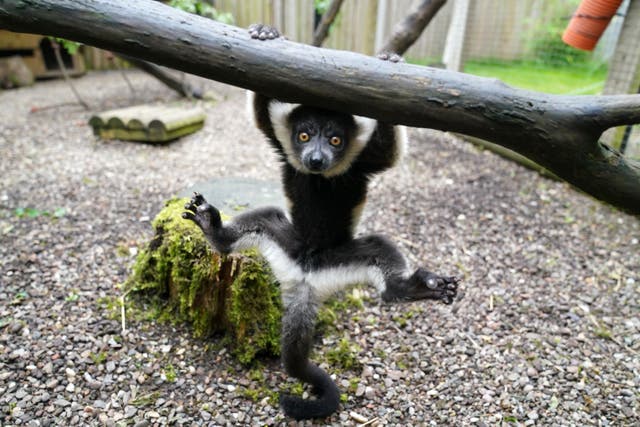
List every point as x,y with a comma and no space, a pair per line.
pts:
516,41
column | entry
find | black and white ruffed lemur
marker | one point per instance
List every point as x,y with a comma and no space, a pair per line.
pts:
328,159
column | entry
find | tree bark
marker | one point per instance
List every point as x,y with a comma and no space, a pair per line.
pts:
321,33
556,131
183,88
407,31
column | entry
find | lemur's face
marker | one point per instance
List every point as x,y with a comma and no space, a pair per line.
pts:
320,138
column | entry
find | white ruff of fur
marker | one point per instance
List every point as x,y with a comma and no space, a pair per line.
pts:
324,282
365,128
279,114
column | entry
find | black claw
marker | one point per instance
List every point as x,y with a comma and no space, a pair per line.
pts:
197,198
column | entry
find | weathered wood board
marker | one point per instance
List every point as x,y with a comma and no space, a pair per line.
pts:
149,123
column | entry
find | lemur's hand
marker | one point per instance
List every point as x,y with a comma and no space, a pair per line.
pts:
443,288
390,56
447,286
263,32
202,213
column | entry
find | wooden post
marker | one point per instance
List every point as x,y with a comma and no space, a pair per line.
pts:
380,24
624,77
452,56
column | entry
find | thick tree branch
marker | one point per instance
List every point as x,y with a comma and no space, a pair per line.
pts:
322,31
407,31
558,132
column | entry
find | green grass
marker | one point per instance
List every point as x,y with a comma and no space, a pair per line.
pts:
582,78
575,79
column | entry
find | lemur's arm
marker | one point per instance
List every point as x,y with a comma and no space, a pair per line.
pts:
388,143
262,117
258,104
385,148
255,228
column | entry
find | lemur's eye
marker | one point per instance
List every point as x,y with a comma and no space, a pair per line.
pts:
335,141
303,136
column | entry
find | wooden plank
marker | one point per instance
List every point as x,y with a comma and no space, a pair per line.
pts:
153,123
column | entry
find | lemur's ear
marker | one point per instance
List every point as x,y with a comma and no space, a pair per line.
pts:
365,127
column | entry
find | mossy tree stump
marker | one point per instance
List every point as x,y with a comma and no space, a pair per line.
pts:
234,295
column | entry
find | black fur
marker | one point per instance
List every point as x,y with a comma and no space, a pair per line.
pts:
319,236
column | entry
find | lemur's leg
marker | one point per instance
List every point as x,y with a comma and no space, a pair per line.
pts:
376,260
256,228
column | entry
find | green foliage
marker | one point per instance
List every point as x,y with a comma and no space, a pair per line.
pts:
170,373
186,282
403,318
337,308
68,45
545,39
145,399
99,358
548,48
72,297
345,355
34,213
321,6
202,8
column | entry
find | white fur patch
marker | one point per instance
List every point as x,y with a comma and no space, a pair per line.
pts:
325,282
283,267
365,128
402,143
279,115
249,109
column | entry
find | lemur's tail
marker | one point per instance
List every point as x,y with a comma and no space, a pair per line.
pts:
326,403
298,326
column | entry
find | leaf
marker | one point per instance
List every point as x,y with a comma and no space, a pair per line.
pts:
32,212
553,404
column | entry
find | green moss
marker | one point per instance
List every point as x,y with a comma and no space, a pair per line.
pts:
98,358
170,373
345,355
185,281
255,310
339,309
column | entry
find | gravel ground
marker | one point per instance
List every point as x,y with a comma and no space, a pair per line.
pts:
548,331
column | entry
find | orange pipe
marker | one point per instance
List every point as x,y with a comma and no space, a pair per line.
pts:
589,22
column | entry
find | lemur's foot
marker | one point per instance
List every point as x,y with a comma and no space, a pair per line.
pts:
202,213
390,56
427,285
263,32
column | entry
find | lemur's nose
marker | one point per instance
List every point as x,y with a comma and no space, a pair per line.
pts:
316,161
